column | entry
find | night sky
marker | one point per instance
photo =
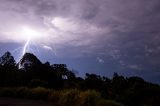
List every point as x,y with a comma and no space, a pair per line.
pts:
94,36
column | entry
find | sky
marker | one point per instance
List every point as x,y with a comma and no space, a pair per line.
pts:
90,36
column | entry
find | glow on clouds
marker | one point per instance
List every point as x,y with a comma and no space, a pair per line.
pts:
71,25
62,30
57,28
55,31
21,34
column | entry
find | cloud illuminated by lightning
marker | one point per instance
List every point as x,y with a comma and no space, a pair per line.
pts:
50,49
57,31
29,34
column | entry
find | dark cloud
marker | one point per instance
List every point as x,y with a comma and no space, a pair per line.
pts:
121,32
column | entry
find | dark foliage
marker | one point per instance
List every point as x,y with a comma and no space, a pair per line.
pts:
31,72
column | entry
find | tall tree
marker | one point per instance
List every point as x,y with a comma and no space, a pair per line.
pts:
7,60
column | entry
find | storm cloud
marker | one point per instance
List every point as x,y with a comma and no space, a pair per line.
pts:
122,33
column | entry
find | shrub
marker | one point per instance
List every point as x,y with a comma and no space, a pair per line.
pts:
7,92
55,96
70,98
40,93
89,98
103,102
23,92
38,83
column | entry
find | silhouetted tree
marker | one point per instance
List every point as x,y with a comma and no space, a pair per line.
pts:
119,83
7,60
8,70
93,81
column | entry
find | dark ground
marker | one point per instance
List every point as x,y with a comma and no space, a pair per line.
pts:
23,102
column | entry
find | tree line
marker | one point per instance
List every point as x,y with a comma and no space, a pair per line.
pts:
31,72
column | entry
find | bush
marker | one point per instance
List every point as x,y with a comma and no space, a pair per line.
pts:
7,92
40,93
23,92
55,96
38,83
103,102
89,98
70,98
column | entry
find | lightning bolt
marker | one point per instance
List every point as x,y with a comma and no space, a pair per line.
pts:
26,46
24,50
